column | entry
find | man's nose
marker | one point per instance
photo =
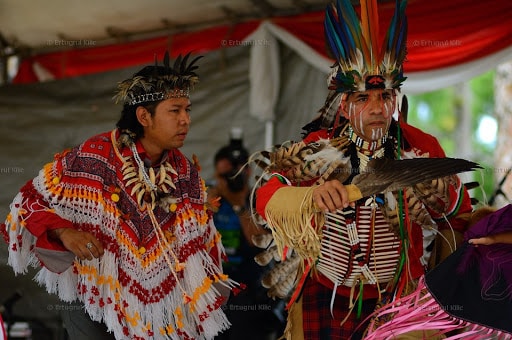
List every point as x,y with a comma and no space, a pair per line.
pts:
185,118
375,105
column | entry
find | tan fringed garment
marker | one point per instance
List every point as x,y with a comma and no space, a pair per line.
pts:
295,222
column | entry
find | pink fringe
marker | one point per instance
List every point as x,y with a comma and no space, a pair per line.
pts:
419,311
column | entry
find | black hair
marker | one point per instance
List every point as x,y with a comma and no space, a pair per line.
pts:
237,155
128,120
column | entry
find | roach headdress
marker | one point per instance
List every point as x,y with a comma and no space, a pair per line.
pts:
155,83
362,61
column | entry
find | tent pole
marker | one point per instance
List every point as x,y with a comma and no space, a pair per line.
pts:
269,134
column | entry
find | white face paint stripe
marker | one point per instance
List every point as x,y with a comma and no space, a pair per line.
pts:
377,133
353,117
351,110
358,122
387,109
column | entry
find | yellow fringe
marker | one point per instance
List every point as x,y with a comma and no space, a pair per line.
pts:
294,326
294,221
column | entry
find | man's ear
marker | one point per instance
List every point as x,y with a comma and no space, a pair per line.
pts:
143,115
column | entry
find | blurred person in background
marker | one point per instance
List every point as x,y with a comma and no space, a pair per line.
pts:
253,315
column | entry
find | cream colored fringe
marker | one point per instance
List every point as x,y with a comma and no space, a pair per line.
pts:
294,221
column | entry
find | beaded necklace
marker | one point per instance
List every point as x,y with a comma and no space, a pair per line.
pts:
361,151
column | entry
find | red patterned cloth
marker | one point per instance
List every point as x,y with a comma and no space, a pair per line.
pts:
137,288
318,322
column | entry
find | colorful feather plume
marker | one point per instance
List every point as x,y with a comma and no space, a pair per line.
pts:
360,54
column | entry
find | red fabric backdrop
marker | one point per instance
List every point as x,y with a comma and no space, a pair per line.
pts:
442,33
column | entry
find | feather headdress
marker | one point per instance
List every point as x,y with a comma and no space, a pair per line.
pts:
362,61
154,83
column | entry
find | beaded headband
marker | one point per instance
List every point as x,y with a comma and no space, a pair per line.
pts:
155,83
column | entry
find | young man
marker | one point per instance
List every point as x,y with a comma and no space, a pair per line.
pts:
119,223
357,254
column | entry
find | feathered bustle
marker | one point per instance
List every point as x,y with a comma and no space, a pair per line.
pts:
322,160
281,277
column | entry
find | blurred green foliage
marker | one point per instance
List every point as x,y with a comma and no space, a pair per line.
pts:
436,113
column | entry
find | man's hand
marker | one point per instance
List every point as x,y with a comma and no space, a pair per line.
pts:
83,244
330,196
503,237
234,198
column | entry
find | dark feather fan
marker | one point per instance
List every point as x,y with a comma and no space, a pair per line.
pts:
384,174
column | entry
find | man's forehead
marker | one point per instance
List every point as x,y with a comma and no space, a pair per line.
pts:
182,101
224,165
370,92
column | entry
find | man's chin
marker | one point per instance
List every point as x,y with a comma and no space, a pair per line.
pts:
176,145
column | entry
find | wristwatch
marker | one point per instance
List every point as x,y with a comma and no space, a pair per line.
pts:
238,209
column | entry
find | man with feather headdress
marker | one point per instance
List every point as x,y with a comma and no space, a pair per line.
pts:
120,225
357,248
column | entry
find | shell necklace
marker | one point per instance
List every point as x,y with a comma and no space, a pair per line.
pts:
151,188
148,187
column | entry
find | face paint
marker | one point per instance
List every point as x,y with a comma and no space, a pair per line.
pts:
387,108
377,133
370,113
356,118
